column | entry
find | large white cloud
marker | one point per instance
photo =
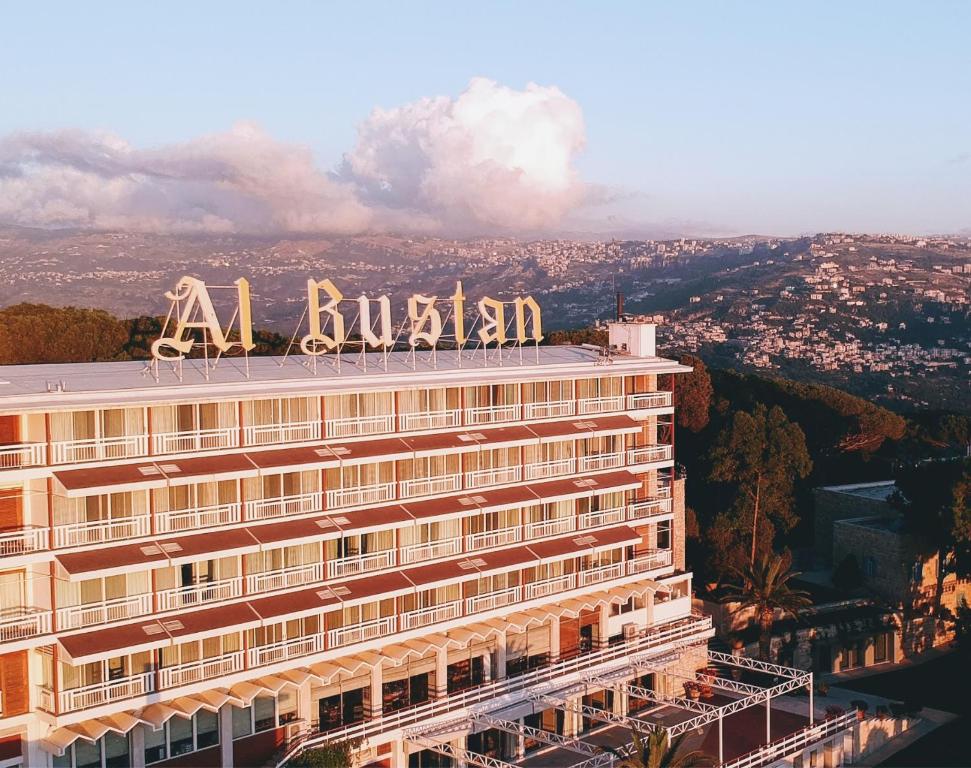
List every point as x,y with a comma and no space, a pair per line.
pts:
492,159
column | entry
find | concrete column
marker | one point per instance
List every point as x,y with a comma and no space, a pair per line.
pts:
136,747
554,640
441,673
487,667
36,730
868,653
226,736
499,666
377,683
520,745
399,758
458,744
571,724
603,634
649,606
305,703
621,702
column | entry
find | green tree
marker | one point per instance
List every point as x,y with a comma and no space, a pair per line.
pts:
692,395
651,750
764,587
761,453
336,754
37,333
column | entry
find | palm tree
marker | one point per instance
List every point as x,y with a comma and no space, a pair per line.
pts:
765,587
652,751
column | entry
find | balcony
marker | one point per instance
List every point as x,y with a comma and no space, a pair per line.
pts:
281,506
23,541
476,478
648,508
493,600
197,594
497,538
489,414
353,426
549,410
603,517
434,614
589,405
355,564
284,650
98,449
291,432
195,440
428,486
415,553
601,573
22,622
647,400
365,494
20,455
100,531
360,633
552,468
174,520
551,586
597,461
283,578
648,454
118,609
649,561
413,422
196,671
96,694
669,610
543,528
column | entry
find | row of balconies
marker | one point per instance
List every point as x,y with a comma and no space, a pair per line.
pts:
29,454
385,627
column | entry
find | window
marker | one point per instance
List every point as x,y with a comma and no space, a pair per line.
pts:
110,751
242,721
260,716
880,649
664,535
180,736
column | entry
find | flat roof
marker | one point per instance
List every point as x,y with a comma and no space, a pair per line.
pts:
879,491
70,385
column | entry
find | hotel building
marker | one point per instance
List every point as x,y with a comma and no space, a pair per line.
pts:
475,560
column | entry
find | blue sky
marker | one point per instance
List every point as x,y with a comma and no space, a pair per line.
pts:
729,117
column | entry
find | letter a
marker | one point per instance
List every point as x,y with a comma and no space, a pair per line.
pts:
309,343
193,292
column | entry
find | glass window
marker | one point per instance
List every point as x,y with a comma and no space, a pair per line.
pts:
116,750
264,714
155,744
180,736
207,729
242,721
287,706
880,648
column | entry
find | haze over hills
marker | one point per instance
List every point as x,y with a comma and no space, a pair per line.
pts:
885,316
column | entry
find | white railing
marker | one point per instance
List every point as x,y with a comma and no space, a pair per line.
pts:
487,414
20,455
291,432
97,449
476,478
412,422
603,517
359,633
359,425
795,742
431,615
281,506
98,531
664,487
351,566
427,486
198,517
600,404
543,528
649,561
204,669
195,440
646,454
551,586
23,622
601,573
282,578
262,655
365,494
76,616
197,594
550,468
23,541
648,508
669,610
74,699
490,539
549,410
648,400
414,553
493,600
597,461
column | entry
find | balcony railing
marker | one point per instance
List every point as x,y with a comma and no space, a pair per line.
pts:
196,671
648,400
497,538
351,566
197,594
22,622
669,610
427,486
414,553
99,531
647,454
607,404
412,422
199,517
597,461
551,586
98,449
262,655
649,561
195,440
488,414
365,494
76,616
280,506
23,541
639,510
359,425
74,699
432,615
360,633
493,600
551,468
549,410
543,528
603,517
22,455
283,578
292,432
476,478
